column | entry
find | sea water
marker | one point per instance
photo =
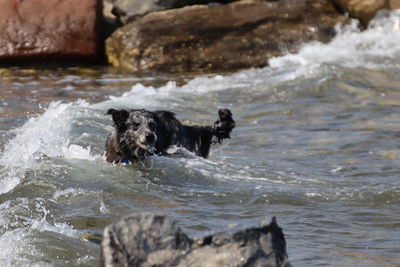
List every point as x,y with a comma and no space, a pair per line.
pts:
317,145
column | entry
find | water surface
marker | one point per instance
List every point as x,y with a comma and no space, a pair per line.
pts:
316,145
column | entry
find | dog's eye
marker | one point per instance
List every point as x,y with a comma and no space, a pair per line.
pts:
152,126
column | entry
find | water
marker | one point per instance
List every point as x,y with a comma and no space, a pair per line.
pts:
316,145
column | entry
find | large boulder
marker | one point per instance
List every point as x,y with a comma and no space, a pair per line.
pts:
129,10
237,35
44,31
155,240
365,10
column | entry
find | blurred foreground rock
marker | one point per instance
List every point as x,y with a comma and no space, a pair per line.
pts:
365,10
155,240
241,34
44,31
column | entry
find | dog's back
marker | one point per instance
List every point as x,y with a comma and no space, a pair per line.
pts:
172,133
168,130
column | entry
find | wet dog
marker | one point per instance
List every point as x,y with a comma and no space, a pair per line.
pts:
139,133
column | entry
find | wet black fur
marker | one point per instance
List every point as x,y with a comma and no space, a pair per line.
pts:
122,144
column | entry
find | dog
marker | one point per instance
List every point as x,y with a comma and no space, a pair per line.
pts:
139,133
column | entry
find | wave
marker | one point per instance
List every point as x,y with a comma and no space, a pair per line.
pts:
374,48
46,135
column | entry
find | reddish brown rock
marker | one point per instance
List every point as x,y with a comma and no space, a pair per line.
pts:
43,31
238,35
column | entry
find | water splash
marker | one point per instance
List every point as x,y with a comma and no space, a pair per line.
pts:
375,48
45,135
141,96
17,242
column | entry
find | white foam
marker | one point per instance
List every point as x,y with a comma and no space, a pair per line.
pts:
103,208
66,192
60,228
17,244
141,96
47,134
17,247
74,151
7,182
13,244
376,47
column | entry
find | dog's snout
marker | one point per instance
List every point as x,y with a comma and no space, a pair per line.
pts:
150,137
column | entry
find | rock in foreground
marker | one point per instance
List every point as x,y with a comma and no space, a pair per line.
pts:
43,31
238,35
155,240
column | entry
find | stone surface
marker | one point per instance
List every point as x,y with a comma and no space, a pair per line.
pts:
110,22
155,240
237,35
393,4
129,241
129,10
43,31
365,10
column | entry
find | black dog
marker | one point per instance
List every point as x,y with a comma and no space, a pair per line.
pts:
139,133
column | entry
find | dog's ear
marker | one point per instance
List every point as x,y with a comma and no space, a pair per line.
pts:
119,116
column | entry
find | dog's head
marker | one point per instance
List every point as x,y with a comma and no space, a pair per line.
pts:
135,128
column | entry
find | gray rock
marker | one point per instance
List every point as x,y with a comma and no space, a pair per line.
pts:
130,241
155,240
233,36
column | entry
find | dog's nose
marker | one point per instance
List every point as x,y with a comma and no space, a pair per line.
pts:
150,137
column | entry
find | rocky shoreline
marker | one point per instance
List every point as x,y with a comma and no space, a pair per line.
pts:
171,36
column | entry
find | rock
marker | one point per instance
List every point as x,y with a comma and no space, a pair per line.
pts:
237,35
128,10
393,4
110,22
155,240
131,240
365,10
44,31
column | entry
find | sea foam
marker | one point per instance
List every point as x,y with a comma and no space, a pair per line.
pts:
44,135
375,48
